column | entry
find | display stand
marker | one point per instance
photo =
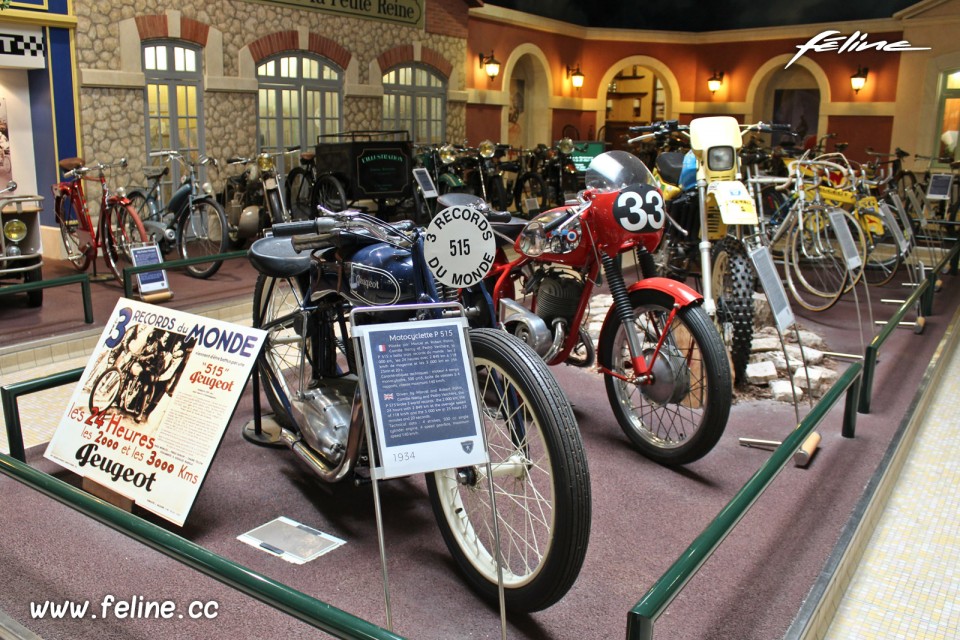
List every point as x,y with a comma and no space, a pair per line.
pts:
908,246
414,425
152,286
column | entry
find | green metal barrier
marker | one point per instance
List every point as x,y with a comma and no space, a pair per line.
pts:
921,297
129,272
642,616
316,613
82,278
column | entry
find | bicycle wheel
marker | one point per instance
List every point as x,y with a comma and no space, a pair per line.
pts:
105,391
540,476
121,228
328,193
298,187
276,309
733,283
202,231
816,271
77,250
679,415
883,253
529,194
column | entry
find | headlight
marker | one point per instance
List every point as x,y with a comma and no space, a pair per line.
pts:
532,239
15,230
720,158
448,154
122,192
265,162
207,188
566,146
487,149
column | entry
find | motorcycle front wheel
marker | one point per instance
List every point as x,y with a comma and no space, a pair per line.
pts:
541,483
733,283
679,415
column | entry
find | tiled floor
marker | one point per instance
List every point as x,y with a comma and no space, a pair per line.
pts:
907,585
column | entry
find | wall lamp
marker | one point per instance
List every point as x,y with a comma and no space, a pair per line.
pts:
714,81
490,64
859,79
576,77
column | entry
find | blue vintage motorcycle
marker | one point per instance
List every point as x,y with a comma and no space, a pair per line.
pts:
312,273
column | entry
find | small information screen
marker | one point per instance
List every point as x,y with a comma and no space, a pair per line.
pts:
422,393
939,187
149,281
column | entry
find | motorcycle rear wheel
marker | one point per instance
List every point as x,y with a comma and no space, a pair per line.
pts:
680,416
541,481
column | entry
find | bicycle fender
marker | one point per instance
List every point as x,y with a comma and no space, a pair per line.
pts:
681,293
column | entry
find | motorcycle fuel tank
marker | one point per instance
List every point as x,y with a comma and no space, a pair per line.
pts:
381,274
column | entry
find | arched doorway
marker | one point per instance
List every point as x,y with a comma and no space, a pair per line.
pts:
792,97
635,90
528,94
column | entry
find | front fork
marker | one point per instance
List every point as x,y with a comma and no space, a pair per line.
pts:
706,276
624,310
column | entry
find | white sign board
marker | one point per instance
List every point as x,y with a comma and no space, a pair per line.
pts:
422,392
939,187
152,404
459,246
847,245
422,176
773,288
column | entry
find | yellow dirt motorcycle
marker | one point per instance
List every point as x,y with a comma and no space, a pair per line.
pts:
711,211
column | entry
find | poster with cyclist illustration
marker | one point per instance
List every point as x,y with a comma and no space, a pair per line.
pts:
153,402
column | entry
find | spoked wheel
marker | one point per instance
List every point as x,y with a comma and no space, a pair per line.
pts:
329,193
530,194
105,391
816,271
77,249
679,415
299,185
275,306
202,231
883,253
540,479
120,231
733,284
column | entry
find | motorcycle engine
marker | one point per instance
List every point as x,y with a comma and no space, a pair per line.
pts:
327,409
558,296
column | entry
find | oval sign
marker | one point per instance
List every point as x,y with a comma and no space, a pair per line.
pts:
639,208
459,247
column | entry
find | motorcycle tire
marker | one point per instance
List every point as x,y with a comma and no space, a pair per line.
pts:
671,421
34,296
530,186
105,391
202,230
278,213
541,480
497,193
733,285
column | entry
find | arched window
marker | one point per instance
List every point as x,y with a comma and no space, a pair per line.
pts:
948,130
300,97
174,94
415,100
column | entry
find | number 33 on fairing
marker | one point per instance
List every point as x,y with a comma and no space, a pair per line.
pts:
639,208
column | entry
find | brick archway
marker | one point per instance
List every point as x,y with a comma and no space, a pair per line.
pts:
405,54
274,43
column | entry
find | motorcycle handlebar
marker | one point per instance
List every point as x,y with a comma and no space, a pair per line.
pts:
303,227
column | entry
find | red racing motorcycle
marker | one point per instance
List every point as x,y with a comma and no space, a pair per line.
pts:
666,373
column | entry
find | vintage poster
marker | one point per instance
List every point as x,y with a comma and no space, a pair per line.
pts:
153,402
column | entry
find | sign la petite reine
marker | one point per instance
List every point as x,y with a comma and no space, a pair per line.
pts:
406,12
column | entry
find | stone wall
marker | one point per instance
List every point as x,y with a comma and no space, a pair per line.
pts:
111,118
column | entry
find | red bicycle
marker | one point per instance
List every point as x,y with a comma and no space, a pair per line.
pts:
118,225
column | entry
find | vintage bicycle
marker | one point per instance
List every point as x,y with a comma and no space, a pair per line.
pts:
117,227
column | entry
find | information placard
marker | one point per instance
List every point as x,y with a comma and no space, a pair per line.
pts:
422,393
152,404
422,176
900,236
149,281
847,245
939,187
773,287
